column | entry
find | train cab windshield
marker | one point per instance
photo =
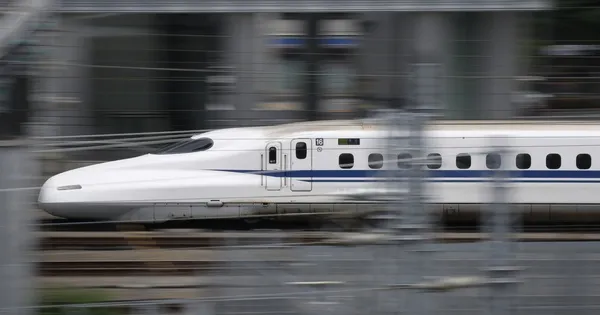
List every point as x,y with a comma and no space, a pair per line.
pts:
187,146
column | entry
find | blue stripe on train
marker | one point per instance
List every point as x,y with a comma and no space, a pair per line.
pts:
455,175
564,181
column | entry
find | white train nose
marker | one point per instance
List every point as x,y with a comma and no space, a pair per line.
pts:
54,195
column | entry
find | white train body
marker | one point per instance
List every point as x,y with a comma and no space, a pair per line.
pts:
264,171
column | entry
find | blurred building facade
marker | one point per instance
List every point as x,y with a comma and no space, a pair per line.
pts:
142,69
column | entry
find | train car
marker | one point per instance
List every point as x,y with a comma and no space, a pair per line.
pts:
310,168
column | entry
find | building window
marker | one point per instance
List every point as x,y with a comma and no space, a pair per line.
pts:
375,160
583,161
553,161
463,161
493,161
346,160
434,161
523,161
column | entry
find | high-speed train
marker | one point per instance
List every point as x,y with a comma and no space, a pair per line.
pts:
316,167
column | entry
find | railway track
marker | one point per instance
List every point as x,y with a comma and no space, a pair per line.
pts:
191,252
214,225
149,261
194,240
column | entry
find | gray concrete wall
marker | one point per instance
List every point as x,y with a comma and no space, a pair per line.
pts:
431,33
385,53
464,67
125,79
63,107
74,101
501,65
486,62
478,54
242,38
108,65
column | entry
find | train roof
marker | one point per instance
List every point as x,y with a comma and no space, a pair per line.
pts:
442,125
471,126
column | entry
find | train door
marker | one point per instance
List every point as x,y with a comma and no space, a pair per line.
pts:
273,175
301,165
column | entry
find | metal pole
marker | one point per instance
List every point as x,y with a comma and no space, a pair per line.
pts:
407,218
15,235
418,226
501,269
311,82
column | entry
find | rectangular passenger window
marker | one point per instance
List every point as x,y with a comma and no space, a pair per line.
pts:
301,151
404,160
346,160
583,161
553,161
523,161
375,160
463,161
493,161
272,155
434,161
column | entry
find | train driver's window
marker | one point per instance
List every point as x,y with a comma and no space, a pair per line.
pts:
434,161
346,160
375,160
523,161
463,161
553,161
187,146
272,155
583,161
301,151
493,161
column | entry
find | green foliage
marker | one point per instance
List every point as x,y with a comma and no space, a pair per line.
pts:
58,298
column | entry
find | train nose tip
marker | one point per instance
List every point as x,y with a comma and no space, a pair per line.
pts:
50,198
46,197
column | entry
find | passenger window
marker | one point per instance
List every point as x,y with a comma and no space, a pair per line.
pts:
272,155
301,151
523,161
584,161
434,161
375,160
346,160
404,160
493,161
553,161
463,161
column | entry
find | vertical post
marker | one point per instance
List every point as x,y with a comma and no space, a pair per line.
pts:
395,60
15,174
426,103
500,269
15,235
407,216
312,66
386,263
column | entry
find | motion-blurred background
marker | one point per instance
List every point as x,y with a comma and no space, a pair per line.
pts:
107,67
101,80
